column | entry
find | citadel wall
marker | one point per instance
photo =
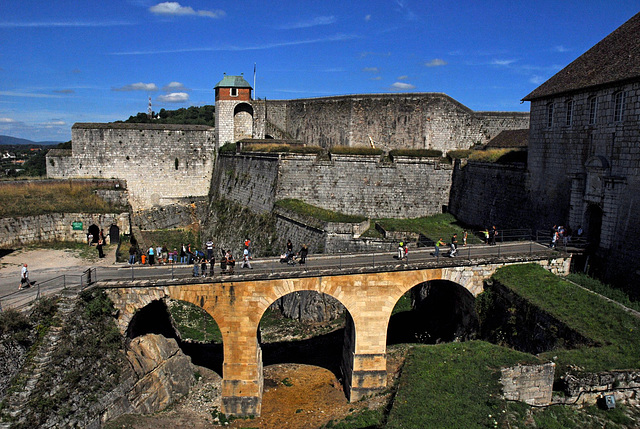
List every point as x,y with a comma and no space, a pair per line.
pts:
419,121
485,194
349,184
160,163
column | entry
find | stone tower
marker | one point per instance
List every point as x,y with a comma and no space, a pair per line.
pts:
234,112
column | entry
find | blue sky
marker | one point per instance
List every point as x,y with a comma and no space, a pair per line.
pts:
63,62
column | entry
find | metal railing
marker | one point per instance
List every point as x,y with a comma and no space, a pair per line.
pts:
24,298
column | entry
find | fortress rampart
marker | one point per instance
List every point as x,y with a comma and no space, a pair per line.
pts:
349,184
160,163
416,120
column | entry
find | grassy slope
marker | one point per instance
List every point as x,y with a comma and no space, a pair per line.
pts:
588,314
453,385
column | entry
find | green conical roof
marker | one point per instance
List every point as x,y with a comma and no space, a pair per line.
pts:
233,82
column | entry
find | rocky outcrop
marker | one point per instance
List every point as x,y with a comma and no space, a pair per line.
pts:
164,373
309,306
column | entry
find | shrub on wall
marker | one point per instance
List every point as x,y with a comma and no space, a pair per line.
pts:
306,149
266,147
416,153
228,147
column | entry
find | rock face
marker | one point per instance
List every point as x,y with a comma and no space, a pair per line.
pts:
309,306
164,373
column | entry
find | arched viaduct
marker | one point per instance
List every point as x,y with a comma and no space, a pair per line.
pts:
237,305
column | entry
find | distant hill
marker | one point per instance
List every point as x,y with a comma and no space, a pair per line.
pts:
13,141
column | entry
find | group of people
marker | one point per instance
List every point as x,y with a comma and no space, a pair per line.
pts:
290,257
561,234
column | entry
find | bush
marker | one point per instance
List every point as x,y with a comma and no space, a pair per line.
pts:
266,147
416,153
228,147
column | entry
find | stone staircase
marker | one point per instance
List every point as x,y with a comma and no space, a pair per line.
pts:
35,367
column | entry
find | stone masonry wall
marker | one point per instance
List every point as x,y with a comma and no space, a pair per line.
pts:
485,194
591,161
420,120
159,162
531,384
56,226
362,185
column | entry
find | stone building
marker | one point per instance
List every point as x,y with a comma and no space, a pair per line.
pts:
584,151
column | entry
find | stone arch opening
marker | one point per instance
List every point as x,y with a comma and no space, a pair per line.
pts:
433,312
114,234
195,331
308,328
95,231
242,121
593,218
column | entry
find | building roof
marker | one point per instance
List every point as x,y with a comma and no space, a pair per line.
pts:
510,139
233,82
614,59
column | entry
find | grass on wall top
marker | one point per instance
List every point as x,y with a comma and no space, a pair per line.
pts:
304,209
33,198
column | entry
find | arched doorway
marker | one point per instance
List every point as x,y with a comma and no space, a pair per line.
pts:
433,312
95,231
114,234
593,228
242,121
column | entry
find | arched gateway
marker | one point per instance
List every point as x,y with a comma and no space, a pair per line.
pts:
238,306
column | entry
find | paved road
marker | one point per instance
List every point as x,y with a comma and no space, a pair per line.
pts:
54,280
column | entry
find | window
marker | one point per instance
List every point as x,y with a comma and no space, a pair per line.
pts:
234,92
618,106
593,110
569,112
549,115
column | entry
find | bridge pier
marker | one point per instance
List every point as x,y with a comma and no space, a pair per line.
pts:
242,386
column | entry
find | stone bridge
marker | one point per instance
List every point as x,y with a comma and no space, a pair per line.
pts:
368,294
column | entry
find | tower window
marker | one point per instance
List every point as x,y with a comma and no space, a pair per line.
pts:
549,115
234,92
618,106
593,110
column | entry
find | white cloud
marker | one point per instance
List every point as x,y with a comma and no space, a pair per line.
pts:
376,78
367,17
436,62
403,77
314,22
174,97
62,24
176,9
560,48
7,121
234,48
174,87
371,70
537,80
502,62
402,86
64,91
28,94
137,87
54,123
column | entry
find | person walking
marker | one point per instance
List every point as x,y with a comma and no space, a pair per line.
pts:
210,247
438,244
132,254
24,278
183,254
400,250
454,245
464,237
304,251
493,234
99,247
245,259
151,253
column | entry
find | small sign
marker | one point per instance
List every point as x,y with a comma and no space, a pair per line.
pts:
77,226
